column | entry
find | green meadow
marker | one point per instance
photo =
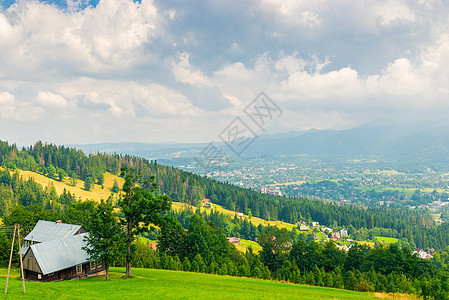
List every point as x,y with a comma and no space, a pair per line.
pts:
164,284
387,240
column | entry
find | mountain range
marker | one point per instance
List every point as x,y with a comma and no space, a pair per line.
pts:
400,142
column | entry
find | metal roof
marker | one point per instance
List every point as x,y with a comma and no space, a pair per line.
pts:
47,231
60,254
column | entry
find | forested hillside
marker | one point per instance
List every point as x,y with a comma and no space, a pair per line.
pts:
203,247
60,162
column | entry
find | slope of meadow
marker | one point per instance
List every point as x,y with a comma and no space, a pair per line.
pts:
164,284
97,193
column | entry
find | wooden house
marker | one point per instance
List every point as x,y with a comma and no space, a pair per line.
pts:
54,251
61,259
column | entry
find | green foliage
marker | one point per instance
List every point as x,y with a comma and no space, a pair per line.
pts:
140,209
51,171
88,183
105,241
115,187
61,174
100,178
5,248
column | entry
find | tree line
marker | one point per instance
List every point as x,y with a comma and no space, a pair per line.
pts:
52,161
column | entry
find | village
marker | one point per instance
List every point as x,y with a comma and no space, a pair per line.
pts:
320,234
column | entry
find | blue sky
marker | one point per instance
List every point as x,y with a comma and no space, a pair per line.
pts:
155,71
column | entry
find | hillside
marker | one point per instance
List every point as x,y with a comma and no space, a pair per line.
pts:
190,188
97,193
163,284
256,221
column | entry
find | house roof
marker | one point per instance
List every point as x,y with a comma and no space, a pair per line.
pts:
60,254
47,231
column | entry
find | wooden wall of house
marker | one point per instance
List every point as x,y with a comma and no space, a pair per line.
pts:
66,274
81,230
30,263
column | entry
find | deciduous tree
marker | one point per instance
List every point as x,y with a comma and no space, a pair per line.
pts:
140,208
106,240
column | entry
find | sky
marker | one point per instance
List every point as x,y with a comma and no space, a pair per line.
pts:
79,72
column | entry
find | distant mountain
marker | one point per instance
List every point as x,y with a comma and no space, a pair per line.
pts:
147,150
392,142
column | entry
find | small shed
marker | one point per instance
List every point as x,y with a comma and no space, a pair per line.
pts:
60,259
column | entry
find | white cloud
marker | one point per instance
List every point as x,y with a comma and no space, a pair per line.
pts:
51,99
37,36
325,62
184,72
12,109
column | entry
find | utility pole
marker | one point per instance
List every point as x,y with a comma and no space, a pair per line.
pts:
16,228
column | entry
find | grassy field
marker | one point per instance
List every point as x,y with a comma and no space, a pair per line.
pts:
386,240
371,244
256,221
244,244
97,193
163,284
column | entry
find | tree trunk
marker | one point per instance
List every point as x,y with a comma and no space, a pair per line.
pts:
128,255
107,271
128,268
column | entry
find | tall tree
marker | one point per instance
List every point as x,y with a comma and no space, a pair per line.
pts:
140,208
88,184
106,240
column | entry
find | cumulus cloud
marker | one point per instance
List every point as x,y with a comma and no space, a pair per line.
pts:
36,36
51,99
166,70
15,110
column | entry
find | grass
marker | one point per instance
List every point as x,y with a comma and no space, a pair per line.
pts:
164,284
370,244
97,193
386,240
178,206
245,244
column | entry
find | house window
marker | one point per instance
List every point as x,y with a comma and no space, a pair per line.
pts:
79,268
39,276
92,264
100,264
